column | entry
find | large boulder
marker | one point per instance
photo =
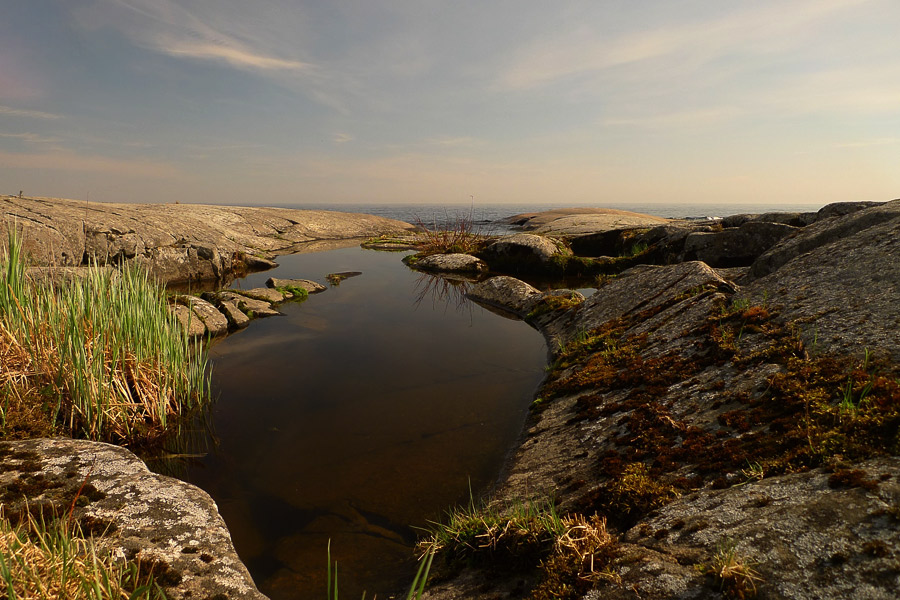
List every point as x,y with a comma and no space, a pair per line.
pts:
507,293
736,247
168,527
521,252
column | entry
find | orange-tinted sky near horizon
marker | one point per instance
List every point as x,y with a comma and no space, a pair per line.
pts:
519,101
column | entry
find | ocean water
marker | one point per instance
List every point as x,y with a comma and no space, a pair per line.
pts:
488,215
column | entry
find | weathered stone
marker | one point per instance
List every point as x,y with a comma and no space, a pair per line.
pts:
824,232
250,306
176,242
508,293
236,317
269,295
520,253
166,525
568,222
841,279
804,538
214,322
795,219
452,263
737,247
310,286
188,320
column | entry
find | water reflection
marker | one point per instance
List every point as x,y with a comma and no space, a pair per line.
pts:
357,415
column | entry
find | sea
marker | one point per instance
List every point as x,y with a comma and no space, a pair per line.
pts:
491,216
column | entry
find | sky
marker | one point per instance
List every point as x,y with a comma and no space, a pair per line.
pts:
594,102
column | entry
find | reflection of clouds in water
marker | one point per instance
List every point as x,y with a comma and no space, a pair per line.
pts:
449,291
256,345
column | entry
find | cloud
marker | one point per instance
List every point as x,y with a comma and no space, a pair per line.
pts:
31,138
342,138
65,160
454,141
205,32
691,118
28,114
582,49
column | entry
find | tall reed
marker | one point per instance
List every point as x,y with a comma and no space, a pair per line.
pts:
110,361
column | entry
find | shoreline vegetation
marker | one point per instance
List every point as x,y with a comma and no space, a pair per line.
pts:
96,355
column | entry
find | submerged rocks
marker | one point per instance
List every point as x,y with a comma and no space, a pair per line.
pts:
165,526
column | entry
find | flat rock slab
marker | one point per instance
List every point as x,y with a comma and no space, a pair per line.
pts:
160,522
177,242
566,222
310,286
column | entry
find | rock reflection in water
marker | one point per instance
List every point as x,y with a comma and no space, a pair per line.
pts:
361,413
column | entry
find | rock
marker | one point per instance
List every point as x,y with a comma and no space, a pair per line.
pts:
176,242
794,219
839,209
310,286
166,525
737,247
521,252
824,232
451,263
250,306
188,320
508,293
840,278
568,222
269,295
236,317
336,278
804,537
214,322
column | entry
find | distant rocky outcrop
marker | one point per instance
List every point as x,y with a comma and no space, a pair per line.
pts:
177,242
169,528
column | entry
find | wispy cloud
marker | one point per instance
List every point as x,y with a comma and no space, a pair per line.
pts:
454,141
64,160
583,49
167,27
691,118
342,138
28,114
31,138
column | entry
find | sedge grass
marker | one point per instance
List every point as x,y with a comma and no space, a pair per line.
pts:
107,358
42,560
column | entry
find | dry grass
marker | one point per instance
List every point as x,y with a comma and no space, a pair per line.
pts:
41,561
736,576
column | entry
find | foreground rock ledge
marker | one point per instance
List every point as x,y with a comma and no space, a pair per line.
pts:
169,527
177,242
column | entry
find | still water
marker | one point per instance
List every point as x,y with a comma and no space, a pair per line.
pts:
358,415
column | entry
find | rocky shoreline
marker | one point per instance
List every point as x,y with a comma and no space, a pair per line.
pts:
730,384
750,411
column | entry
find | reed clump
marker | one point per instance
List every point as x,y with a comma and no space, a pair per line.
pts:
99,354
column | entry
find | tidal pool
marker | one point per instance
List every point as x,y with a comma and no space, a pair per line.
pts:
356,417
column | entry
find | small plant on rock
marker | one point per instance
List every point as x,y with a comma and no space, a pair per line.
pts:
735,574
